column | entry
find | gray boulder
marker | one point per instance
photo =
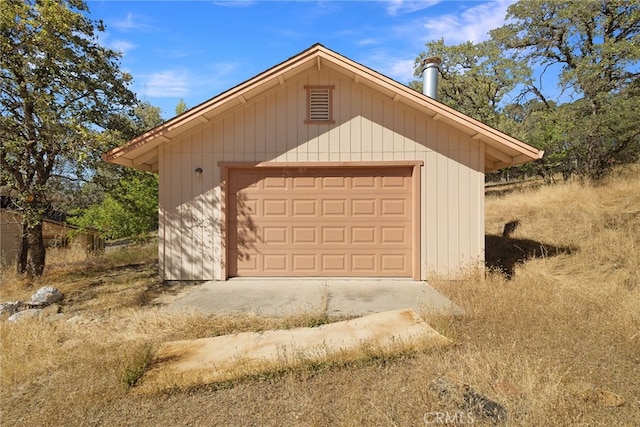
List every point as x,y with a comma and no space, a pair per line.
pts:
24,314
452,389
45,296
9,308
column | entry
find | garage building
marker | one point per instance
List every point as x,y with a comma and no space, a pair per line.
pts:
321,167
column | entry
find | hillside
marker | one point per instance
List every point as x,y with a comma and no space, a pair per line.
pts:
551,333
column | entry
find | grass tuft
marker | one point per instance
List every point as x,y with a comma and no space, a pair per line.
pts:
137,365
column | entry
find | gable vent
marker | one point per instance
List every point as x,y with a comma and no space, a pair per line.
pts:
319,108
319,104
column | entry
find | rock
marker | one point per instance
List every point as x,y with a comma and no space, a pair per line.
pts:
25,314
609,398
44,296
455,391
483,406
10,308
592,393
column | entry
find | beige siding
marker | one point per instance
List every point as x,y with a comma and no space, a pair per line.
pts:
368,127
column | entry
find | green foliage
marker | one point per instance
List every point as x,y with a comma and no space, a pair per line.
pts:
181,107
121,202
130,210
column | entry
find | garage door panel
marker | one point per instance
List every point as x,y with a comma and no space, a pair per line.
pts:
243,262
274,208
274,183
304,208
394,207
275,263
333,207
305,182
364,263
363,235
394,182
334,235
392,235
363,207
305,263
334,263
304,235
246,207
393,262
363,182
274,234
321,222
333,182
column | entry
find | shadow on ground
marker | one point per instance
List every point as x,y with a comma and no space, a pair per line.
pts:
502,253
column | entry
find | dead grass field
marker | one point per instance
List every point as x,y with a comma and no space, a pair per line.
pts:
565,324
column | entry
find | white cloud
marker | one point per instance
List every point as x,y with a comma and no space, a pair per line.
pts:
166,84
125,23
473,24
234,3
219,77
122,46
404,6
180,83
365,42
131,22
401,69
392,65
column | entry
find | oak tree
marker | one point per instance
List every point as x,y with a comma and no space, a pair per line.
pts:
596,47
59,88
587,123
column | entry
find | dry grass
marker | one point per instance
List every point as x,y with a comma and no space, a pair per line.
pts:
569,314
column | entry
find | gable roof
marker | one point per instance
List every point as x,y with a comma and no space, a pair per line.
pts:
501,149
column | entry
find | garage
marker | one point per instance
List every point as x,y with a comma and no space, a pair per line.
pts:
321,167
321,221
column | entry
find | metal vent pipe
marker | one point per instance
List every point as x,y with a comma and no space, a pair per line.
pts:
430,71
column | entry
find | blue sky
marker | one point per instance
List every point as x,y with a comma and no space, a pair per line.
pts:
193,50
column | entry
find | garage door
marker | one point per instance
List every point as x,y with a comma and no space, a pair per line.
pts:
320,222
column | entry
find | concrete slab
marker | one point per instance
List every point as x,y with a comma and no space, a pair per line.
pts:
361,297
184,364
332,297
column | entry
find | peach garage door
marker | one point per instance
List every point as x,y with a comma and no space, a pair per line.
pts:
320,221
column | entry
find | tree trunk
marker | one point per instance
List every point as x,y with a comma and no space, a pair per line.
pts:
31,253
23,249
35,263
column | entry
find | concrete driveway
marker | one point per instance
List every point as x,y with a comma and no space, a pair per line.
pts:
333,297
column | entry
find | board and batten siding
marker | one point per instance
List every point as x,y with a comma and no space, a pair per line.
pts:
368,127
